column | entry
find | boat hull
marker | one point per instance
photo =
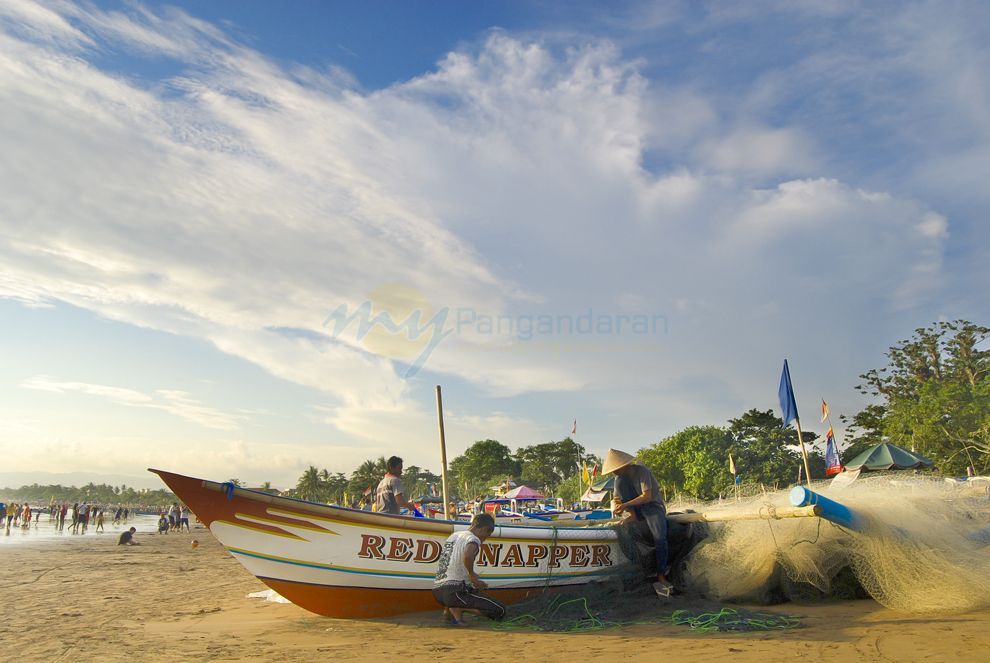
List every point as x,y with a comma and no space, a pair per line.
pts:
355,564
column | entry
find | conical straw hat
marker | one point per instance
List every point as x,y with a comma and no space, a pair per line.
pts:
615,460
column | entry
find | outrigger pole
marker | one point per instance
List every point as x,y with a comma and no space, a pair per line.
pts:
443,454
830,510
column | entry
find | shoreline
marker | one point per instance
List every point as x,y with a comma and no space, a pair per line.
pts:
164,600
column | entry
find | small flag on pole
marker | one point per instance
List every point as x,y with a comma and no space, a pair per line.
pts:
732,465
594,471
584,472
824,410
788,406
574,428
832,463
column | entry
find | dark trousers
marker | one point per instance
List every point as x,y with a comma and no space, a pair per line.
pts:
462,595
650,527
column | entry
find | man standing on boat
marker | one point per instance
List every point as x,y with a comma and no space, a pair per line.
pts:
389,497
637,493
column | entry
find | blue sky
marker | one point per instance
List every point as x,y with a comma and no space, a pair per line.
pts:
189,190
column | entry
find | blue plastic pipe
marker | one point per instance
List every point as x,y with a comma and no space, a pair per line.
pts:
831,511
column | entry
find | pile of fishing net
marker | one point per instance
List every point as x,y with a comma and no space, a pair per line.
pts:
922,548
623,599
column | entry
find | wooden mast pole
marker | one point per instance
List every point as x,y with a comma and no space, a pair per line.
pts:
804,452
443,455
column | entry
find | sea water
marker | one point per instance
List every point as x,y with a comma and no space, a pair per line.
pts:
45,530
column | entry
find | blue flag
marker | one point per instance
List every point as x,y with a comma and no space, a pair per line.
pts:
788,407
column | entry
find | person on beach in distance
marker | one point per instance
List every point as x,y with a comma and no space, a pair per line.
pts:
84,516
637,493
127,538
388,496
457,585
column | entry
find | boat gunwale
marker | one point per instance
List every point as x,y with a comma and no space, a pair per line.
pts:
384,520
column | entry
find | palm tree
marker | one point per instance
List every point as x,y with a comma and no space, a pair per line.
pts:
367,475
267,487
309,486
325,485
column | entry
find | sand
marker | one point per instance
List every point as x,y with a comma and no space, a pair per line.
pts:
86,599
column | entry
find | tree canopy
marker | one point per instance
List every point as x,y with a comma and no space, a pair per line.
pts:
482,463
933,396
551,463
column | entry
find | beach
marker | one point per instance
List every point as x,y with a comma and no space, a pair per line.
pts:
85,598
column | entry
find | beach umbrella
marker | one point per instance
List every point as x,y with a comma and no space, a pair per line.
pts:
523,492
887,456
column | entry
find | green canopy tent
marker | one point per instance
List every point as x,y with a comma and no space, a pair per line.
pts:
887,456
598,491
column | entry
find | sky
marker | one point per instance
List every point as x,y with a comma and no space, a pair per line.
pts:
240,238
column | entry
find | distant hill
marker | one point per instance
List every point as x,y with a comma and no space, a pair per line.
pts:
18,479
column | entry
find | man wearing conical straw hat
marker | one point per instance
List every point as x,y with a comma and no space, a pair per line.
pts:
637,493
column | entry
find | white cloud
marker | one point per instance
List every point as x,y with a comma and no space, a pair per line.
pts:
240,203
762,152
175,402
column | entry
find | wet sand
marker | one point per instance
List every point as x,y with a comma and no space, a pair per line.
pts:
88,599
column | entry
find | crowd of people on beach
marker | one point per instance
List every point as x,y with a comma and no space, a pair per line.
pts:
80,516
173,519
17,515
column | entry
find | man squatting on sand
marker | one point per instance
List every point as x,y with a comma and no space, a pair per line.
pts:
457,586
638,495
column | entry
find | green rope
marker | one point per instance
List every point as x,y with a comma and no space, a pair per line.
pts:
729,619
726,619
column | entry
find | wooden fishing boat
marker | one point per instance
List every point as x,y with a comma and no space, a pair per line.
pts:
347,563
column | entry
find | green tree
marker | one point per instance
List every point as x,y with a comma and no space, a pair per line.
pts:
934,395
694,461
335,486
551,463
310,487
367,475
863,430
484,462
767,453
416,481
570,489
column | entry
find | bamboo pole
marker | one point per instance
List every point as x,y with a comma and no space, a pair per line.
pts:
764,513
804,452
443,455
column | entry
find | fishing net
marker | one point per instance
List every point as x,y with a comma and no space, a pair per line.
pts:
622,599
922,548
